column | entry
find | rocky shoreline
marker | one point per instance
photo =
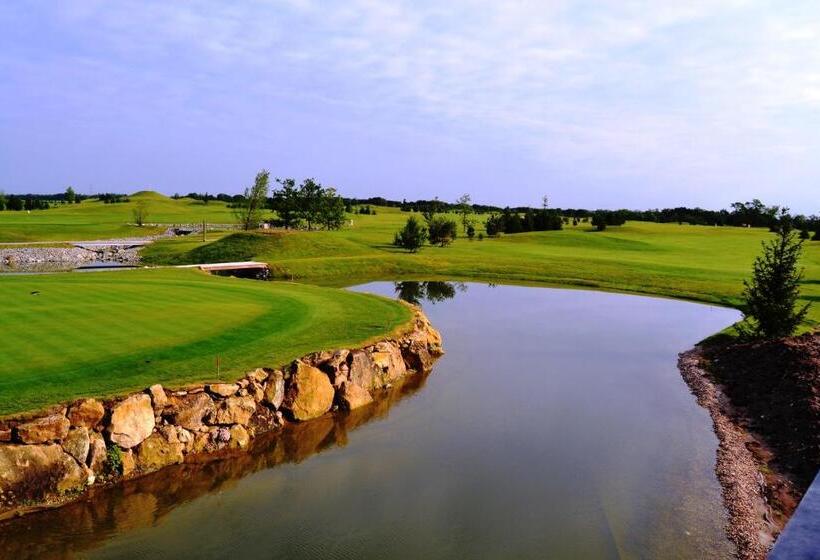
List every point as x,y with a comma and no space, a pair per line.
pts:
56,456
34,259
764,401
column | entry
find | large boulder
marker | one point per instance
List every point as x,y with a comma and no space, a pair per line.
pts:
235,410
275,389
353,396
32,473
86,413
388,359
310,393
132,420
189,411
44,430
158,396
97,453
223,389
363,372
77,443
239,437
161,449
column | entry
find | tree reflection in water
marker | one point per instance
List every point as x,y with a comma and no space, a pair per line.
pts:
431,291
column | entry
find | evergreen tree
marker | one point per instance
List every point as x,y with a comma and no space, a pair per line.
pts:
412,236
771,309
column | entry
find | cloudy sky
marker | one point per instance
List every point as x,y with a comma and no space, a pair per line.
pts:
597,104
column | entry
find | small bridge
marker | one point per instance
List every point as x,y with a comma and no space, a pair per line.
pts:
104,245
241,269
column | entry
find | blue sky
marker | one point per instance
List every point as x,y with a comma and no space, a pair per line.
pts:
613,104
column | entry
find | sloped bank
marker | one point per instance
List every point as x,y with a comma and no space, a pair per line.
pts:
53,457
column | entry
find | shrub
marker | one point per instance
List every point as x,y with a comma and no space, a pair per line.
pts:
471,231
481,237
441,230
412,236
113,459
599,220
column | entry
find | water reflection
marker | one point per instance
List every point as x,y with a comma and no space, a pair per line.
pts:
431,291
142,503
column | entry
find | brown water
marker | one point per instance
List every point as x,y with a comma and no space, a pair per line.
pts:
556,426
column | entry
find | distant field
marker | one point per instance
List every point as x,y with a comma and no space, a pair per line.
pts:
93,219
97,334
694,262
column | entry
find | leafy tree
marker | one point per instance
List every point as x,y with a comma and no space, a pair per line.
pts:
310,202
285,202
771,296
331,209
471,231
412,236
70,195
599,220
249,210
441,230
3,201
465,208
15,203
816,235
804,234
140,213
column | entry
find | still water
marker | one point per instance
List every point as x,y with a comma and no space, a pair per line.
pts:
555,426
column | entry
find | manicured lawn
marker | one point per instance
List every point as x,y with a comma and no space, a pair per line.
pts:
100,334
694,262
93,219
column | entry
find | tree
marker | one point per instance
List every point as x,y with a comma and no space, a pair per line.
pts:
465,208
599,220
140,213
804,234
286,202
310,202
331,209
412,236
2,201
471,231
816,236
70,195
249,210
441,230
771,296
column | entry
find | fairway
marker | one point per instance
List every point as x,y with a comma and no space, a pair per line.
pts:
702,263
100,334
92,219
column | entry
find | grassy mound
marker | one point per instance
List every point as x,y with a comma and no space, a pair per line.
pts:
100,334
695,262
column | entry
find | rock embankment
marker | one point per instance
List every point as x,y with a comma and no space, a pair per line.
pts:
54,457
27,259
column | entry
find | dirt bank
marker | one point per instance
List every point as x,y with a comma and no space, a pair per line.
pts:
764,400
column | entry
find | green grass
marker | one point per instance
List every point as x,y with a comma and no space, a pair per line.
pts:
93,219
101,334
701,263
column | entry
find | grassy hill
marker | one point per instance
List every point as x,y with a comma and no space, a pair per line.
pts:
695,262
100,334
93,219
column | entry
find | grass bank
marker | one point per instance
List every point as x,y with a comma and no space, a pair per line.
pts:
101,334
700,263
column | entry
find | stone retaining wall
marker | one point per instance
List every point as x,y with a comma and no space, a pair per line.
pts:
53,457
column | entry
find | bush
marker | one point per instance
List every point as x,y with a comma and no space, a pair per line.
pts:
481,237
113,460
470,231
412,236
599,220
441,230
804,234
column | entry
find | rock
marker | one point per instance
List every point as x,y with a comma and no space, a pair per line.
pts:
32,473
186,438
310,393
77,443
275,389
258,375
363,371
86,413
158,396
223,389
256,391
188,411
222,435
239,437
161,449
129,463
389,360
235,410
5,435
334,365
97,453
352,396
132,420
44,430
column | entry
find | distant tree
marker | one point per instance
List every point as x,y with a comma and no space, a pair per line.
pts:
3,201
771,296
804,234
465,209
331,209
816,236
14,203
599,220
310,202
70,195
140,213
481,236
471,231
250,209
285,202
412,236
493,225
441,230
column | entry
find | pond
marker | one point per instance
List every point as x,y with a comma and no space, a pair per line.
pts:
555,426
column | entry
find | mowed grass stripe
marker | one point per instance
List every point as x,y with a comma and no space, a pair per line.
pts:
103,334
